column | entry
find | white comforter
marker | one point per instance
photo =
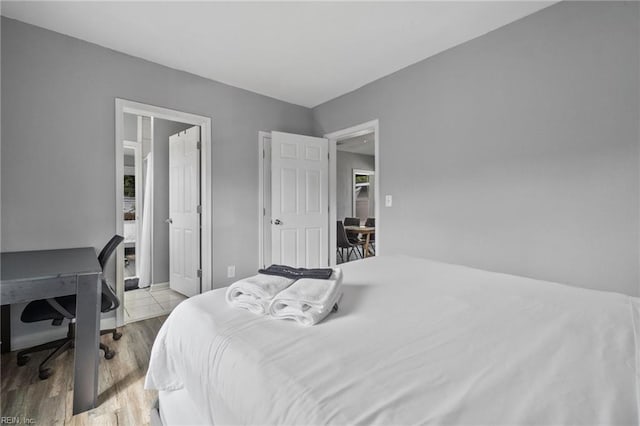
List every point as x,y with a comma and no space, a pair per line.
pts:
414,342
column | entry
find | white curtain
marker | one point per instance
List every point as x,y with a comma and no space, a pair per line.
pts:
144,249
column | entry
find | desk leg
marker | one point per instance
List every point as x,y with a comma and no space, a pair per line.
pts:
85,378
5,320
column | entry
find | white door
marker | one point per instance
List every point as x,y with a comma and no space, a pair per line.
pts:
299,200
184,218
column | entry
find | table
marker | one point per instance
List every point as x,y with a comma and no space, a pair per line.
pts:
364,230
42,274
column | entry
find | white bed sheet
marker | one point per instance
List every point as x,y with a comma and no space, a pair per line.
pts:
176,408
414,342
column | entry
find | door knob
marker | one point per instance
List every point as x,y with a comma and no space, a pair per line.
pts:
169,221
277,222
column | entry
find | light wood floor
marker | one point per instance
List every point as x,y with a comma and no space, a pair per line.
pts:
121,397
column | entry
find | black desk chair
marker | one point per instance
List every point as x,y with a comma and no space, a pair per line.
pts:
58,309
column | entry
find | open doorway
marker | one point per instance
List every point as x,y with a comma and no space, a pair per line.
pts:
148,250
163,206
355,201
355,197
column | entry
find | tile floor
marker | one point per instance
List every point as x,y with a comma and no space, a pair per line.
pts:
143,304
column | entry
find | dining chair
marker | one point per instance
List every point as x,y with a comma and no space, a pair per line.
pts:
351,221
371,222
354,237
343,242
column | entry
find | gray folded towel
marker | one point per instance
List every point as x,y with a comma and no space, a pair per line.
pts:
297,273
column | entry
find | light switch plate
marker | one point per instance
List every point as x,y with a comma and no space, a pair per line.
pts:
388,200
231,271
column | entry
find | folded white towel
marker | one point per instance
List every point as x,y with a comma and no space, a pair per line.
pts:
255,293
308,300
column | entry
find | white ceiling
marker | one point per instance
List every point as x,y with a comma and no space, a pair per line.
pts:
363,144
305,53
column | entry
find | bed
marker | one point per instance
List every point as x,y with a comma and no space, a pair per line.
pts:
415,342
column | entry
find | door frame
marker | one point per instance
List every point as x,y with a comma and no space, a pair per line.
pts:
206,186
334,137
263,207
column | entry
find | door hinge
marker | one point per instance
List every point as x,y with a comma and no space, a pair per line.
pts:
199,145
264,154
199,209
199,273
264,211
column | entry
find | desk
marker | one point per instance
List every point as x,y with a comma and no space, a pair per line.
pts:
32,275
364,230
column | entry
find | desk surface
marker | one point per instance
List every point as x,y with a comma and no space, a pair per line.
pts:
44,264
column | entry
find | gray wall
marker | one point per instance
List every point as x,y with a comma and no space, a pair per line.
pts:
517,151
58,154
345,163
162,129
130,127
129,161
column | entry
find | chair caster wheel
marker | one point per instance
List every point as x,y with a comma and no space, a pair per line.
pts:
109,354
116,335
22,360
44,374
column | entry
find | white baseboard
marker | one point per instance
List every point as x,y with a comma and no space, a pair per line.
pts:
159,286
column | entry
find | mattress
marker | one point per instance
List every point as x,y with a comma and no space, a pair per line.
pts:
414,342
